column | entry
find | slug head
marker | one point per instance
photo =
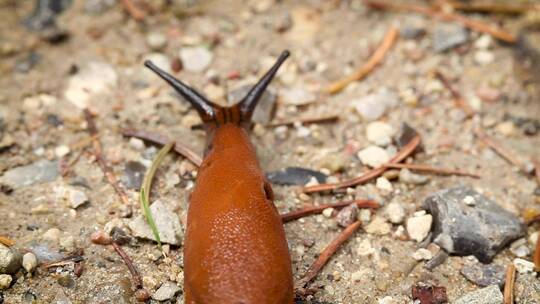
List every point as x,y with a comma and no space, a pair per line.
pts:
214,115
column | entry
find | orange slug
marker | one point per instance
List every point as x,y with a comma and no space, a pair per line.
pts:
235,250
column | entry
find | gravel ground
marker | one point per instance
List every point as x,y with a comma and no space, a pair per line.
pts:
220,48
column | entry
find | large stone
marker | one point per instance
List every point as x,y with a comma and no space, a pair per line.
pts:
487,295
10,260
468,223
38,172
167,223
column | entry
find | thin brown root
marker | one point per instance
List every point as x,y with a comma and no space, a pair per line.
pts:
509,284
137,281
387,43
162,140
458,99
475,25
326,254
305,121
6,241
429,169
97,150
499,149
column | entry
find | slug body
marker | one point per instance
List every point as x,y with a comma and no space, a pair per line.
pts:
235,248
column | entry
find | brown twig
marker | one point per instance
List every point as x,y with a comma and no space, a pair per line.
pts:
373,61
137,281
458,99
67,167
133,10
296,214
509,284
304,121
498,148
98,153
474,25
326,254
162,140
400,156
6,241
536,256
496,8
429,169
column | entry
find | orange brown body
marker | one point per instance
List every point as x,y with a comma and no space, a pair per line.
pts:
235,247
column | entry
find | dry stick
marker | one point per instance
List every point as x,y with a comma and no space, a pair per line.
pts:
65,170
162,140
133,10
137,281
374,60
458,99
429,169
507,155
308,120
400,156
6,241
97,151
509,284
296,214
474,25
497,8
326,254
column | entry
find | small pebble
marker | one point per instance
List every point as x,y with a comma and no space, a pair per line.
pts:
379,133
52,235
395,213
519,248
29,262
523,266
365,248
328,212
5,281
10,260
383,184
166,291
378,226
422,254
373,156
195,59
61,151
488,295
136,143
347,215
100,238
418,227
407,177
156,41
484,57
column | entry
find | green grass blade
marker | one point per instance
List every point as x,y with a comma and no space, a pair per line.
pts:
145,190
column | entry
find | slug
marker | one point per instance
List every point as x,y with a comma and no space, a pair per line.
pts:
235,249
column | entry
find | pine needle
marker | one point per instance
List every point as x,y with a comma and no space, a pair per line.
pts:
146,188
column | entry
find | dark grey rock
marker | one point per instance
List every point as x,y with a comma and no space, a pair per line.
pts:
10,260
265,110
447,36
484,275
133,175
43,19
468,223
404,135
487,295
41,171
295,176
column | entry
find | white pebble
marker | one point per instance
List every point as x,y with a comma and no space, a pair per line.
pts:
523,266
422,254
61,151
5,281
379,133
373,156
195,59
395,213
328,212
418,227
29,262
384,184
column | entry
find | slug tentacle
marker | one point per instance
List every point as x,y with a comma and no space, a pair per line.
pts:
248,103
206,109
